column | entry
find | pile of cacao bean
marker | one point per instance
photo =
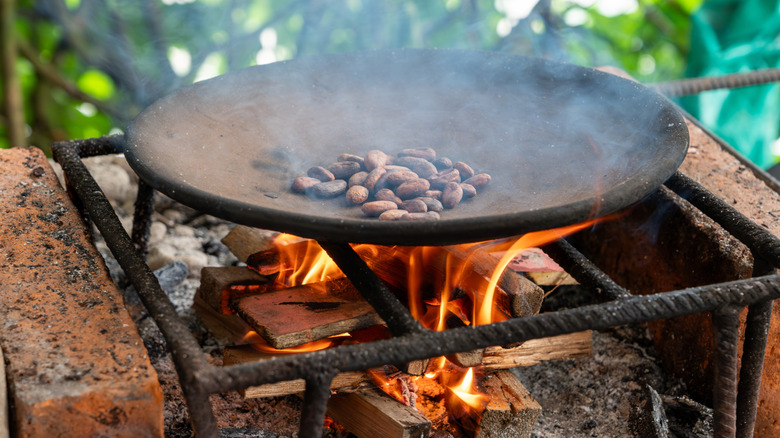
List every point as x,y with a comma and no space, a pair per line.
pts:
415,185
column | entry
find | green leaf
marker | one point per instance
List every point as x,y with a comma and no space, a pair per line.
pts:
97,84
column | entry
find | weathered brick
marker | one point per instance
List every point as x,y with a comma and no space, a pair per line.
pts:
76,365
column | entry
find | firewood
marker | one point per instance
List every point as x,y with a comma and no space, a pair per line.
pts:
244,241
343,382
296,315
216,282
465,359
371,413
511,412
227,328
536,350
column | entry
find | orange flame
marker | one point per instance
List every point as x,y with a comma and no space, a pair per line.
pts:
259,344
467,392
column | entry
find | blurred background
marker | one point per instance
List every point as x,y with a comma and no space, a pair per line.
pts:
84,68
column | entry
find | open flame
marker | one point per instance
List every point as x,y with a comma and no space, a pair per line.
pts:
302,261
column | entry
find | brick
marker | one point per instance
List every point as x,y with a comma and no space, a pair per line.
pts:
76,365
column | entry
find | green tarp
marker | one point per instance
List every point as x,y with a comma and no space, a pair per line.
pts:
732,36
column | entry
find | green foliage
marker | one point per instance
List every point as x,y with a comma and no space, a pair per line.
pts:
90,66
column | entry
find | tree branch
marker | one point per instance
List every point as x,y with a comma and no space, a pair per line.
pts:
13,103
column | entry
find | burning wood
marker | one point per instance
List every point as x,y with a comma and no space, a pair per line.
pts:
370,413
296,315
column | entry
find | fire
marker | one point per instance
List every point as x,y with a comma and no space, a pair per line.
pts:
259,344
443,287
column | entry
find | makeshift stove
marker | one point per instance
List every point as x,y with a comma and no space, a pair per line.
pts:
734,399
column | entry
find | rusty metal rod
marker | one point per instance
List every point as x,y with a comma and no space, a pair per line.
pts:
726,326
190,360
584,271
754,348
315,404
737,80
390,309
433,344
763,243
142,217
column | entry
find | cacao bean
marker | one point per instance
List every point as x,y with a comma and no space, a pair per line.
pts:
344,169
451,195
435,194
469,191
392,215
394,168
432,204
328,189
441,179
420,166
358,179
425,153
373,178
320,173
442,163
465,170
429,216
357,195
479,180
399,177
303,183
387,195
412,188
351,157
375,208
374,159
414,206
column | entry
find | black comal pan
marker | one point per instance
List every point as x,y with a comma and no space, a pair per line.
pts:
562,143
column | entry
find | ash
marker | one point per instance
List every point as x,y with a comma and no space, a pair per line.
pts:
618,391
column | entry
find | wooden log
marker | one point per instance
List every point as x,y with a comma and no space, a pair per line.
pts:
244,241
220,285
297,315
227,328
533,351
371,413
511,412
343,382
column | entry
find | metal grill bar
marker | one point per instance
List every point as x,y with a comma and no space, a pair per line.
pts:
199,378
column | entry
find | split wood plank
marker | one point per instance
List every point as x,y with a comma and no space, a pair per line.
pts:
297,315
220,285
533,351
370,413
343,382
511,412
244,241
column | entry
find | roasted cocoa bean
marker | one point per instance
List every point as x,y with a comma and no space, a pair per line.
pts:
469,191
413,188
420,166
428,216
392,215
425,153
373,178
329,189
414,206
357,195
442,163
432,204
358,179
344,169
375,208
441,179
320,173
374,159
303,183
351,157
387,195
393,168
399,177
465,170
435,194
451,195
479,180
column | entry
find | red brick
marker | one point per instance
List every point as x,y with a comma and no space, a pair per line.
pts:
76,365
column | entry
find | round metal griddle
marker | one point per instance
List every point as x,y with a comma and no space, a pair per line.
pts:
560,141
